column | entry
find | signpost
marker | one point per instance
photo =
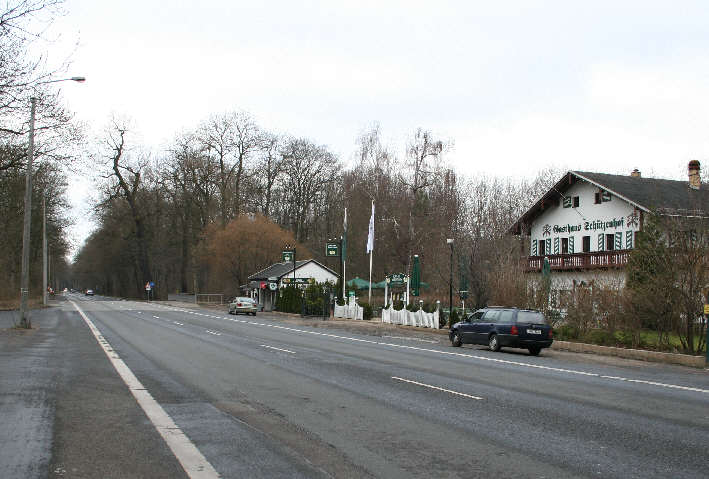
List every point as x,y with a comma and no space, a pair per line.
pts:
706,323
288,256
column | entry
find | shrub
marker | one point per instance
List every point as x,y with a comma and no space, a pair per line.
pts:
600,337
398,305
413,307
367,313
429,307
566,332
453,317
289,300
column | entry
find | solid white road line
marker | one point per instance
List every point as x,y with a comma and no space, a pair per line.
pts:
411,339
193,462
436,388
473,356
277,349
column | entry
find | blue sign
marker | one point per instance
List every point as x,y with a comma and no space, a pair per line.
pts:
152,285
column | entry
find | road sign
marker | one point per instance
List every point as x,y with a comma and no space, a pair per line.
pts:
298,280
287,256
397,279
332,250
152,284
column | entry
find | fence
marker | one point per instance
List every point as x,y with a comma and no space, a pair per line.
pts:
349,311
210,298
405,317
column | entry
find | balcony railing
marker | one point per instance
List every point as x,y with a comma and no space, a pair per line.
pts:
580,261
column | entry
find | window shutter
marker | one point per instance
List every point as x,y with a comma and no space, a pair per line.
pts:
534,247
618,240
601,240
567,202
571,245
548,246
556,245
628,240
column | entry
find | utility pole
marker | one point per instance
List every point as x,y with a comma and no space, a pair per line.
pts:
450,283
44,251
25,322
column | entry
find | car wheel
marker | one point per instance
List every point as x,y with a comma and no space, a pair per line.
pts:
534,350
494,343
455,340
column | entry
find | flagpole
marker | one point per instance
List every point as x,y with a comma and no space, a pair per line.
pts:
344,258
370,246
370,277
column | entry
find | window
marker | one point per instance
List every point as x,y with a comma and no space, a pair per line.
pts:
564,245
492,316
576,201
530,317
506,317
597,198
476,316
567,202
586,244
542,248
610,239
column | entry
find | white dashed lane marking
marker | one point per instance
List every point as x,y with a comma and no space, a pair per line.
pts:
470,356
278,349
436,388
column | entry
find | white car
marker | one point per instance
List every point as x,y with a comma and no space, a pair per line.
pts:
243,305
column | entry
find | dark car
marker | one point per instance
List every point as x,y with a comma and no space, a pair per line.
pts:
504,327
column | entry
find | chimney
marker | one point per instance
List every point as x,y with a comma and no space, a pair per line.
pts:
693,170
635,173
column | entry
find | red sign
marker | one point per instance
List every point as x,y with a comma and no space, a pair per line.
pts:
263,285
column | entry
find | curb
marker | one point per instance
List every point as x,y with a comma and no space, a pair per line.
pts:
641,354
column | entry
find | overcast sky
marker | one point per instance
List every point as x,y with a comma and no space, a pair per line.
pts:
516,85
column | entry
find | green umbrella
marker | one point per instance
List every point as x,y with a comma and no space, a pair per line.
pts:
416,277
358,283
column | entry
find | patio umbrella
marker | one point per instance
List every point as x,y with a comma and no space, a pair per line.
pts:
416,277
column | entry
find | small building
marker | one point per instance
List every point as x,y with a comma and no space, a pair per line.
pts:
586,224
265,284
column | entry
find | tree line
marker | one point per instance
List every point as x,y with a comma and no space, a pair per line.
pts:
223,199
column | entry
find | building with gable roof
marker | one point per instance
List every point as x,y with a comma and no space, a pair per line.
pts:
586,224
265,284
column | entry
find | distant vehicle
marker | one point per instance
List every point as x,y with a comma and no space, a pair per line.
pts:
504,327
89,292
243,305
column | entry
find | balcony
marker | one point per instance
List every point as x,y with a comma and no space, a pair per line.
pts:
580,261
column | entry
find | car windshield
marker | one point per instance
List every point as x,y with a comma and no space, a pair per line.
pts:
531,317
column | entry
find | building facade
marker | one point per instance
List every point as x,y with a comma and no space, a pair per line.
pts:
264,286
586,225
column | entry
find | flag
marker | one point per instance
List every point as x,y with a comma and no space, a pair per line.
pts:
370,237
344,238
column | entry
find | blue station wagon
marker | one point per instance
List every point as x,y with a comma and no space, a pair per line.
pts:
504,327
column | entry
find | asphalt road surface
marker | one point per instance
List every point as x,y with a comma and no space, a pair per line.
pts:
165,391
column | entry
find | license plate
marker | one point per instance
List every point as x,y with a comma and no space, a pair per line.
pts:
534,331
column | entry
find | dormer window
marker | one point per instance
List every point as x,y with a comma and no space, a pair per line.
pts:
576,201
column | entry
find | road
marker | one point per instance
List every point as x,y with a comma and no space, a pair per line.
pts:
263,398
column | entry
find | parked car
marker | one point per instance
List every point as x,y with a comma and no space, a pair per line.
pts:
504,327
89,292
243,305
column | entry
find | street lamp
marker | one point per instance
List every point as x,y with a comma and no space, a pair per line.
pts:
450,282
25,279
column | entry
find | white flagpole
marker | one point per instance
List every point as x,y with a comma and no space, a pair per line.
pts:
370,277
370,247
344,263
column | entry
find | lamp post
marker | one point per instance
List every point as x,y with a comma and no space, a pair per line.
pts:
450,282
25,279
